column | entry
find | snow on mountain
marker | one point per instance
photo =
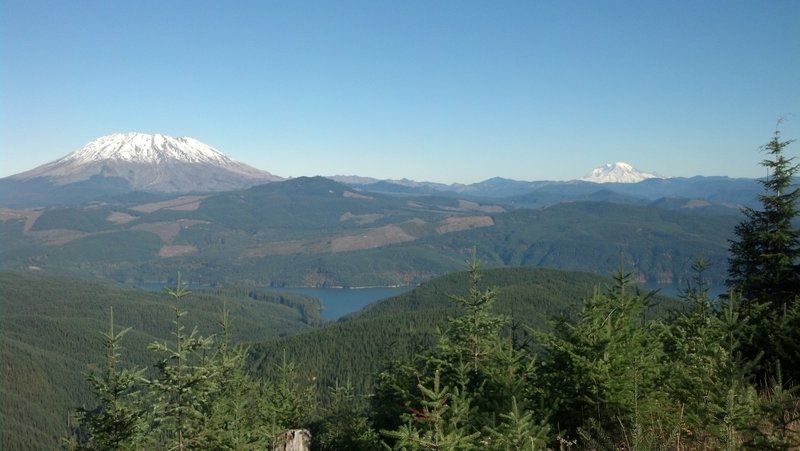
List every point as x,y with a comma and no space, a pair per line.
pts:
144,148
619,172
151,162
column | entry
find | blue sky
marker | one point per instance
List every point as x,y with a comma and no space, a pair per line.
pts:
447,91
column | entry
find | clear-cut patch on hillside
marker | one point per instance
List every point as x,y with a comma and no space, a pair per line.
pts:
371,238
57,237
183,203
30,216
354,195
176,250
459,223
120,217
360,240
469,205
7,214
167,231
360,219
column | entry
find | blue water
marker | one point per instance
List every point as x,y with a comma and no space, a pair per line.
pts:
337,302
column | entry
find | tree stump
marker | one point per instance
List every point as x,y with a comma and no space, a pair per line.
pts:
293,440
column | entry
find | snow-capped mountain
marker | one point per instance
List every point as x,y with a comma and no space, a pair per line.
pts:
151,162
619,172
144,148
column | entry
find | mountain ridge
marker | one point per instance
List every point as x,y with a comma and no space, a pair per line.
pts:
148,162
155,164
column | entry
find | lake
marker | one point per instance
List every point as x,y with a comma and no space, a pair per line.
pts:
336,302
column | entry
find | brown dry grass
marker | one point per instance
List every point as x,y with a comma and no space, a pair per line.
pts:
167,231
363,239
360,219
119,217
30,216
176,250
355,195
183,203
469,205
459,223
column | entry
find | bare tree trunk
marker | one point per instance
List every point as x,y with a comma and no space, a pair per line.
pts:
293,440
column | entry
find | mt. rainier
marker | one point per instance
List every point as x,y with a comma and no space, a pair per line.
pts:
617,173
148,162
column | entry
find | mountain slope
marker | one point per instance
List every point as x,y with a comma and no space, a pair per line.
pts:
356,347
299,232
50,339
657,246
316,232
127,162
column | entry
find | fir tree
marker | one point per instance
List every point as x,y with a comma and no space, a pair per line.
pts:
233,421
184,387
441,422
473,336
518,430
604,366
285,401
345,424
474,385
118,421
764,265
712,401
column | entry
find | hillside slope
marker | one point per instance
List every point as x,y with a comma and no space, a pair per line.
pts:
316,232
50,339
359,345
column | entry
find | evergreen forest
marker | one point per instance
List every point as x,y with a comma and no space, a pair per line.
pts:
485,359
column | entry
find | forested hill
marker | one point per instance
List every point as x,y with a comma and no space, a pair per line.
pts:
50,338
529,295
657,246
356,347
316,232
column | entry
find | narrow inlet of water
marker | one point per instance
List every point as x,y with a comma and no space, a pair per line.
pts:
336,302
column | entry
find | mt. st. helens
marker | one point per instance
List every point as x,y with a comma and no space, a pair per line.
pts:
148,162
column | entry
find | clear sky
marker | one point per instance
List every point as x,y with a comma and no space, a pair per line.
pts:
446,91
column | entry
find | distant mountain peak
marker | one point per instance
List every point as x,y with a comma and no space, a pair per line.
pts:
151,162
619,172
147,148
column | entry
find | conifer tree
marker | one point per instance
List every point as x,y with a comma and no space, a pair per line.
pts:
441,422
185,384
473,336
764,264
118,421
345,424
604,366
233,421
707,378
519,430
474,385
285,401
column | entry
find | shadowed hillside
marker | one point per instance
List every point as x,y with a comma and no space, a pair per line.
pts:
50,339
